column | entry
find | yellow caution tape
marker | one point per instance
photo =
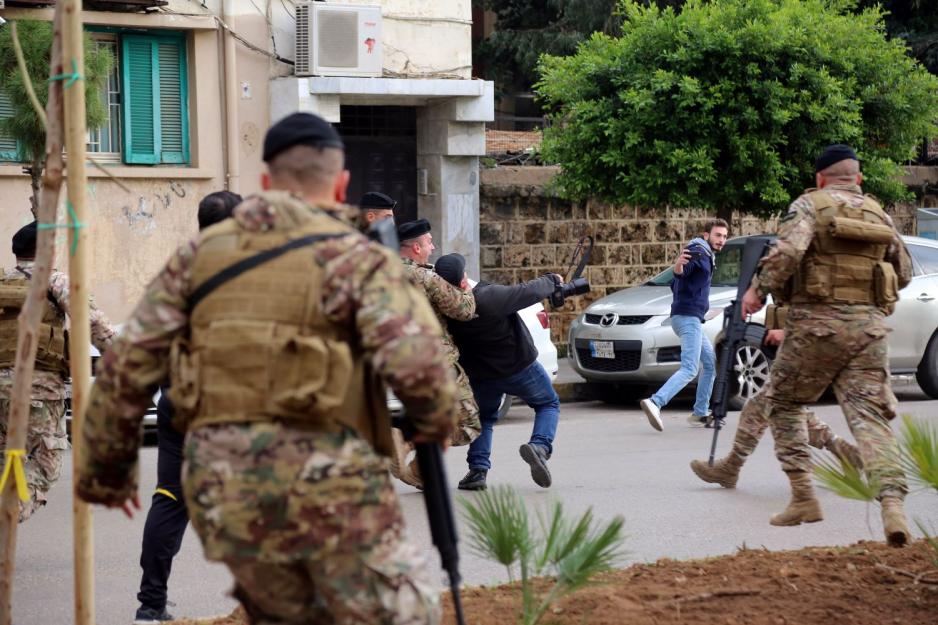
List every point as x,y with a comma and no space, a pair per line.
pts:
163,491
14,466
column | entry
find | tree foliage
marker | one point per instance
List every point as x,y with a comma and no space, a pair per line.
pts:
525,29
36,40
725,105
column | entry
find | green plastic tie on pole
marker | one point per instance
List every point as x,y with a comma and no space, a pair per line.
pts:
72,78
73,224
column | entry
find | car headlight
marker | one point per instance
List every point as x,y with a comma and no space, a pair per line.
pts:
713,312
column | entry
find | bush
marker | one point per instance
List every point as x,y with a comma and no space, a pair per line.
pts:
725,105
573,550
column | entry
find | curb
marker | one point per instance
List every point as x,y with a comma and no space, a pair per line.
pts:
575,391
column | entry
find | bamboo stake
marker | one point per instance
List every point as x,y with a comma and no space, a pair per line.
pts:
80,334
29,320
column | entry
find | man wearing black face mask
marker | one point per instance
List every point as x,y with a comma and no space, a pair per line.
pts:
499,356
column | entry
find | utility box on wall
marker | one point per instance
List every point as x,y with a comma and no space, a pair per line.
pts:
338,40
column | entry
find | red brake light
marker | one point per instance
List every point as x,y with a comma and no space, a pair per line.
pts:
544,319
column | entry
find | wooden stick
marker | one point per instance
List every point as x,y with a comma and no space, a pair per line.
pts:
80,333
29,320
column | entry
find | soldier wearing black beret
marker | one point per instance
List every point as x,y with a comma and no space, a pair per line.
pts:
376,206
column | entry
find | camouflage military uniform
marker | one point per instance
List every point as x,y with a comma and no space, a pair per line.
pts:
840,344
46,437
450,302
305,517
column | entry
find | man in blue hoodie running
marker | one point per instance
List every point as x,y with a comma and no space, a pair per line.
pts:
693,270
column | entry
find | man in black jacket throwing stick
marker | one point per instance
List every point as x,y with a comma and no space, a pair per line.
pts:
499,357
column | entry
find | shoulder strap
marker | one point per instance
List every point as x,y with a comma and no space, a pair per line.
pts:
49,296
251,262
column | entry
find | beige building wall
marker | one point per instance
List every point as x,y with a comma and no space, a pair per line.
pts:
132,234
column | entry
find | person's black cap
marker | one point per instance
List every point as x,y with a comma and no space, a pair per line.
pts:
412,229
376,200
24,241
300,129
834,154
451,267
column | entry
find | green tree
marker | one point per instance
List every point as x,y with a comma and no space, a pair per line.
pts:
525,29
724,105
24,125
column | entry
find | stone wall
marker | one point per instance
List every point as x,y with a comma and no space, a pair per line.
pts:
526,230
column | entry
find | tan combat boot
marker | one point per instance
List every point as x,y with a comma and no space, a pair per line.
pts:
804,506
724,472
894,523
845,451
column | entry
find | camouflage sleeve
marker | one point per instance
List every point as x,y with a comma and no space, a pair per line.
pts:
365,286
898,255
795,233
127,377
102,333
451,301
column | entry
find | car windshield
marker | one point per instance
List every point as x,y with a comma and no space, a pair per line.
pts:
726,273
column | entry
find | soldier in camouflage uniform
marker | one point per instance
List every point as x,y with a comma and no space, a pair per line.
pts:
753,422
275,327
839,262
448,301
46,437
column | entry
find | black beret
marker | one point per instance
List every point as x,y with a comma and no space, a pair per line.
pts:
412,229
834,154
300,129
451,267
24,241
373,199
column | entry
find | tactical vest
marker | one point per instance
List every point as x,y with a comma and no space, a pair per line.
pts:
260,347
51,352
844,263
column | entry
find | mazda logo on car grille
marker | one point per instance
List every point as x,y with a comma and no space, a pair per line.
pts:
609,319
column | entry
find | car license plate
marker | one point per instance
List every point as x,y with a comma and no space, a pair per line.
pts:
602,349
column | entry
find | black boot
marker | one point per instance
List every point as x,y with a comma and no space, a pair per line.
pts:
536,456
474,480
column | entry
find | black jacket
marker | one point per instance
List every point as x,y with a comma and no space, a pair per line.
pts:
497,344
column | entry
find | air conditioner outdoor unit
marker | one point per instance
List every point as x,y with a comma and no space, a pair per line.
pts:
338,40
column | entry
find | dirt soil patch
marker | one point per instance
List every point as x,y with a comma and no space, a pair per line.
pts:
866,584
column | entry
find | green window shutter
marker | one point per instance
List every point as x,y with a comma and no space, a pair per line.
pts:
8,146
156,120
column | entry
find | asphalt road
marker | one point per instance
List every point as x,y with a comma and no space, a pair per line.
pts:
605,457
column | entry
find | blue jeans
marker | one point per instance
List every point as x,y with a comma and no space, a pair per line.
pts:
533,387
695,348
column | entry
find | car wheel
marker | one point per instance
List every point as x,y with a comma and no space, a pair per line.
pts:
751,364
927,373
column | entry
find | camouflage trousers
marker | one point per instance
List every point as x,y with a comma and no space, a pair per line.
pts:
468,428
850,354
754,421
46,440
309,525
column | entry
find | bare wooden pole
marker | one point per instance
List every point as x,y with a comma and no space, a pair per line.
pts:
29,320
80,334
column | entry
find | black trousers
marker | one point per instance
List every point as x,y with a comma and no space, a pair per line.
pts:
168,517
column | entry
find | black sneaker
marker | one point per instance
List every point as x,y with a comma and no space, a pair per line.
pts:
150,616
474,480
536,456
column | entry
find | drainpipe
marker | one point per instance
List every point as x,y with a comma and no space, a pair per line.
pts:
231,101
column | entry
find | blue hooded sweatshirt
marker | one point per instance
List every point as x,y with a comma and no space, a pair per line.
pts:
691,289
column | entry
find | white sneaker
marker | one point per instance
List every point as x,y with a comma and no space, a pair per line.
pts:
695,421
653,412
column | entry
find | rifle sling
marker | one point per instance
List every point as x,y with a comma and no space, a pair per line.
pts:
251,262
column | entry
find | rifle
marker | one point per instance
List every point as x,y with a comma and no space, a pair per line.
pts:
734,334
432,472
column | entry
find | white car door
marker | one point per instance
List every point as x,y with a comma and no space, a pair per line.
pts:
913,322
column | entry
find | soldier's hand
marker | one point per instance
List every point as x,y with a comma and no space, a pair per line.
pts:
128,506
774,337
752,302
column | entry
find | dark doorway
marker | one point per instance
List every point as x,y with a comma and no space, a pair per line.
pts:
381,154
